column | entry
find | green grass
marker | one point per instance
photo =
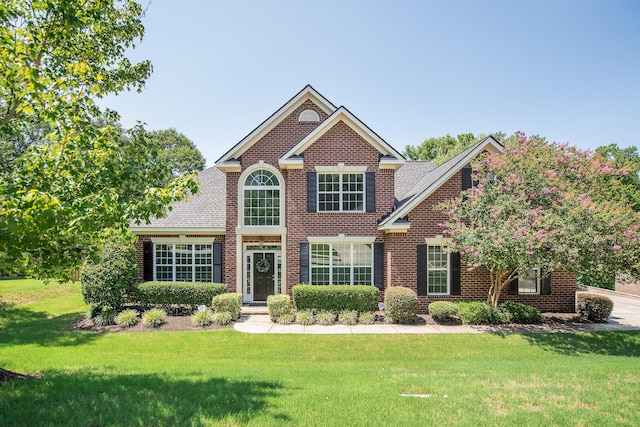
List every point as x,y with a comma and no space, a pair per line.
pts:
224,377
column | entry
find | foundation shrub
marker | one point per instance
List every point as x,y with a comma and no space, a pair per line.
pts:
335,297
231,302
306,317
202,318
325,318
105,318
596,308
401,305
348,317
521,313
287,318
127,319
153,318
367,318
222,318
278,305
168,294
443,310
476,313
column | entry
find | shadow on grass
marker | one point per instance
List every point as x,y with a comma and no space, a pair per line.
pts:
21,325
619,343
85,398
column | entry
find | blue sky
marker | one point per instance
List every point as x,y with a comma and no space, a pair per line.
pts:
567,70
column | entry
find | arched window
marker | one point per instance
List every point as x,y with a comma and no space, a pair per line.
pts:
309,116
262,199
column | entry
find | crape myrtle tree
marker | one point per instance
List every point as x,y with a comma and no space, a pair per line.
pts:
57,196
544,205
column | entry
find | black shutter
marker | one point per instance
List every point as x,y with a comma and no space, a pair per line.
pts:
370,178
454,273
311,192
147,261
217,262
421,268
304,262
513,287
466,179
545,285
378,265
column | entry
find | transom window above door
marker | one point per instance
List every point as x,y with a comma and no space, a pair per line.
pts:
261,194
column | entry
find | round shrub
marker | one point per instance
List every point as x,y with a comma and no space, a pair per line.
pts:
127,318
153,318
306,317
348,317
202,318
229,301
521,313
107,280
278,305
596,308
367,318
476,313
325,318
222,318
401,305
443,310
286,319
106,318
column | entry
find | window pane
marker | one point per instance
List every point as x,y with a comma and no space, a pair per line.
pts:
528,282
437,270
341,263
164,262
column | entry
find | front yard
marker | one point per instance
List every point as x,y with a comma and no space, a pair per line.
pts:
223,377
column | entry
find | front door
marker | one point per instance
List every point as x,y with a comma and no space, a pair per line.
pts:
263,275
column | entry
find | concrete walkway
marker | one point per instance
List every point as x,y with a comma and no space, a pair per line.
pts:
625,316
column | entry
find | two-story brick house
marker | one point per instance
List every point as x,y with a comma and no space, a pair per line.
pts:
313,195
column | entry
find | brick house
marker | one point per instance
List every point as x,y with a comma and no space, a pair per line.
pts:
313,195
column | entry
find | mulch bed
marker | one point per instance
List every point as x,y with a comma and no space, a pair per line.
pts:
172,323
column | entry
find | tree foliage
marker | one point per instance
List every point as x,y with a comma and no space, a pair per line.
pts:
178,151
57,195
544,205
439,149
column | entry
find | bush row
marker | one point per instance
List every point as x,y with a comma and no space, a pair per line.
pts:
281,311
167,294
476,312
336,298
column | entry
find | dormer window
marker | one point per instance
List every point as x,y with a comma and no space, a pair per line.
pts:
308,116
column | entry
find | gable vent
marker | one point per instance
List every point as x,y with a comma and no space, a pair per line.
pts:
308,116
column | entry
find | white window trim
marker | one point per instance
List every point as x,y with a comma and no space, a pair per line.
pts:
241,180
182,239
439,242
342,241
538,282
341,168
346,171
173,243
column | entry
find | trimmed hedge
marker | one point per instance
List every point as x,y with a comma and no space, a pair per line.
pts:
596,308
521,313
229,301
167,294
476,313
443,310
336,298
400,305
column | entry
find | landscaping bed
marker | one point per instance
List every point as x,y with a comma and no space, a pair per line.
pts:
172,323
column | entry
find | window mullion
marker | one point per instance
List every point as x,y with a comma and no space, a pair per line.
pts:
173,262
193,263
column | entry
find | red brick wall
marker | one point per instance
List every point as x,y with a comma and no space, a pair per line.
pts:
475,283
147,238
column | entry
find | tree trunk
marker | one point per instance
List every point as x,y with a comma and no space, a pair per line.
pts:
498,280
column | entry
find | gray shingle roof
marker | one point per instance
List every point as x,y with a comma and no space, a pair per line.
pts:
408,176
207,209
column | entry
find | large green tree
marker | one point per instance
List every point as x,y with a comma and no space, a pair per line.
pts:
56,197
548,207
178,151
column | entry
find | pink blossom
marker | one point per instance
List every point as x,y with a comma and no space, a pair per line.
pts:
616,247
476,254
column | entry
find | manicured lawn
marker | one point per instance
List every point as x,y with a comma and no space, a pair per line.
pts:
228,378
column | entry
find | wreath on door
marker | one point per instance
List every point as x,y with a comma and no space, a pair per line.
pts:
263,265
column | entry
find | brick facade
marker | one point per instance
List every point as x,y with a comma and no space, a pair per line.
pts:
341,144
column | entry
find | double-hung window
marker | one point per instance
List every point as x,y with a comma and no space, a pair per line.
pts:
181,262
341,192
437,270
529,282
341,263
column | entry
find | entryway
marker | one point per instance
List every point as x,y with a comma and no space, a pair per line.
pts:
262,272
